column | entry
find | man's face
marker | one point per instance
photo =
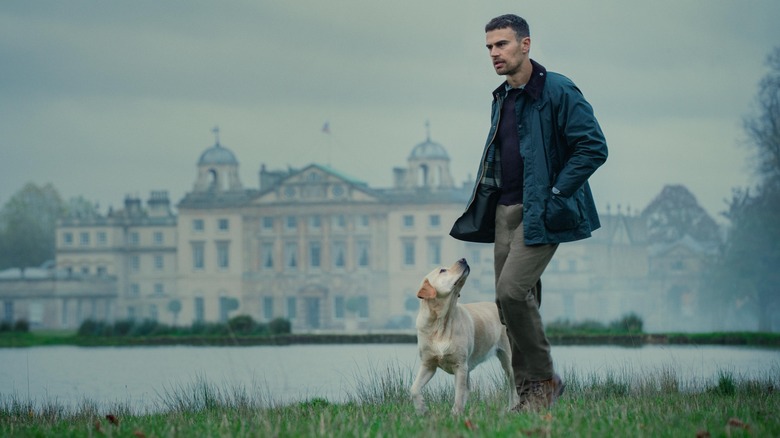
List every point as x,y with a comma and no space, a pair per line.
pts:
506,52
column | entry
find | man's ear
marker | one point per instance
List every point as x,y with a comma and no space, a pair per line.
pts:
427,291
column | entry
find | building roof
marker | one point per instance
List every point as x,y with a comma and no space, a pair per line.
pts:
217,154
209,200
429,149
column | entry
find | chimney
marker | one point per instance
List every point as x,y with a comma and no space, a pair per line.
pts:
133,206
158,203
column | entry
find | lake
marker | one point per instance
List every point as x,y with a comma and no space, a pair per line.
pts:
139,375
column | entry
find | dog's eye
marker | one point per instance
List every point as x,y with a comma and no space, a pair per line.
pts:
442,270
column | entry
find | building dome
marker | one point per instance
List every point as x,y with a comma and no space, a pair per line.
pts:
429,150
217,155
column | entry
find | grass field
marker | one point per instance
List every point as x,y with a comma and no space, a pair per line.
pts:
652,405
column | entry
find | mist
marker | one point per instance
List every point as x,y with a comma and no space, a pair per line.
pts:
110,100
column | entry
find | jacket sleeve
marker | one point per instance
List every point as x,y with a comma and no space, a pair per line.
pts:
582,146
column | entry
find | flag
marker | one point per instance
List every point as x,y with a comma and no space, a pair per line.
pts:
326,128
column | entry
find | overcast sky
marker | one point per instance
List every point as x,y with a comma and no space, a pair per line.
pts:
109,98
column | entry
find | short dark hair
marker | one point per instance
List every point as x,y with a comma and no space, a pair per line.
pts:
517,24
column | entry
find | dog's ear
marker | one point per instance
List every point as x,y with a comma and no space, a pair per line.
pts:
427,291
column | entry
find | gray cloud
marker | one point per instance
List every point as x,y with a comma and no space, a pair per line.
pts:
109,98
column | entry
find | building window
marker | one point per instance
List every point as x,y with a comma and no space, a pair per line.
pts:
359,305
67,239
197,225
363,221
338,307
159,289
198,256
102,271
434,220
291,223
134,238
408,252
135,263
102,238
268,308
84,239
223,224
315,222
85,270
153,314
36,313
157,237
135,290
131,314
292,308
408,221
339,254
8,311
315,254
223,255
339,222
268,223
291,255
200,309
158,262
434,251
267,255
363,251
79,305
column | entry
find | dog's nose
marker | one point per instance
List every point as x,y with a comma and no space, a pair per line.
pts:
463,261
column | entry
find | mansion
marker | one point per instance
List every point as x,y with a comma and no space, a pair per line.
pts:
328,253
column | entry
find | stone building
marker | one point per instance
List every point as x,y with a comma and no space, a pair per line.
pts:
329,253
46,298
311,245
132,249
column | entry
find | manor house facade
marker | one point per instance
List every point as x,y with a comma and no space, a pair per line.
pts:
327,252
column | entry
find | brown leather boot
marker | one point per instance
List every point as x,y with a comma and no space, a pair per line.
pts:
539,395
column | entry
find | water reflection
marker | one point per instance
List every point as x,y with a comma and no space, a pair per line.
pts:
139,375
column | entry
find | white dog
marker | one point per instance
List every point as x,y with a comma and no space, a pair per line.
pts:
455,337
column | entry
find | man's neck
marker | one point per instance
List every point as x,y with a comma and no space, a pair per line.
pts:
522,77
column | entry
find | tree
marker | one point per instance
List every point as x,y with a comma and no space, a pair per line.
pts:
27,226
81,208
751,256
748,269
763,127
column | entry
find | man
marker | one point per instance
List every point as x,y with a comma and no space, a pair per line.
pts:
531,194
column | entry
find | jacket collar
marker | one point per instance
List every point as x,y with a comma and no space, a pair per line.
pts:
534,86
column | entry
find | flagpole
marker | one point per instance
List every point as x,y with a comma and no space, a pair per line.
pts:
326,130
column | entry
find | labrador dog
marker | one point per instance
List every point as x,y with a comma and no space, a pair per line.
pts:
456,337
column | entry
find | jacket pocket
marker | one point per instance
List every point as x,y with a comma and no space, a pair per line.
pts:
561,214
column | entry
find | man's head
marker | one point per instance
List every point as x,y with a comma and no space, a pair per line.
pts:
511,21
508,40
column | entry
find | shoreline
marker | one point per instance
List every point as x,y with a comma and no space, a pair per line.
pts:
21,340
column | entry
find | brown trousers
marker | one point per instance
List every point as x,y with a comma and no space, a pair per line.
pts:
518,269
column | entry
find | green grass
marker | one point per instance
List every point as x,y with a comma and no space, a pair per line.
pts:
620,404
